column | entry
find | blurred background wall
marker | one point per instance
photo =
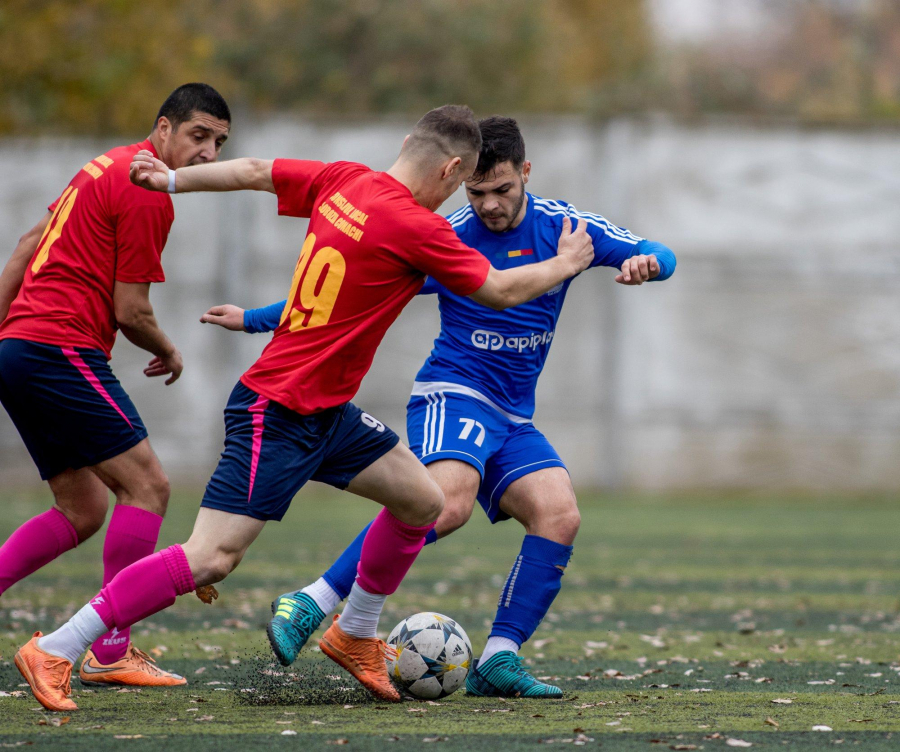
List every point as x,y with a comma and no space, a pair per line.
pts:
756,138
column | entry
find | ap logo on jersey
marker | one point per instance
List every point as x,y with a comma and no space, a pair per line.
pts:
485,340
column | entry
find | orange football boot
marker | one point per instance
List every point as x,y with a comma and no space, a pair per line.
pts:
364,657
136,669
49,676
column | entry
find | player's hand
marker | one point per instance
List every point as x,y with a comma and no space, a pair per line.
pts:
576,246
149,172
227,316
638,269
161,366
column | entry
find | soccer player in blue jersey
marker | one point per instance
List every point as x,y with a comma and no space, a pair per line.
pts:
469,418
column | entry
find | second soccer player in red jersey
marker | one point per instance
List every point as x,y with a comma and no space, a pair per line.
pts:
83,272
372,239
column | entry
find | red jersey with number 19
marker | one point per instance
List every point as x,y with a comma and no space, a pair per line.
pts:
369,247
103,230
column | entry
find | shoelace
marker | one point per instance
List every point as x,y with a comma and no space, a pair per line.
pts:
307,622
374,660
516,665
142,656
64,683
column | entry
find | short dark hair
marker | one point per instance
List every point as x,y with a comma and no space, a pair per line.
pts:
187,99
451,130
501,141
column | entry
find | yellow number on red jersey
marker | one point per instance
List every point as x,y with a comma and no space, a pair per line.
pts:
54,228
318,277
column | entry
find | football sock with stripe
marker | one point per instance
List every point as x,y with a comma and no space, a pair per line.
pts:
36,543
138,591
341,575
530,589
132,535
497,645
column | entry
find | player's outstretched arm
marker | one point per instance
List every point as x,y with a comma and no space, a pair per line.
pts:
134,315
14,271
511,287
247,174
252,321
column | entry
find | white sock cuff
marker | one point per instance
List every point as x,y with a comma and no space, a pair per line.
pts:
75,636
323,594
498,645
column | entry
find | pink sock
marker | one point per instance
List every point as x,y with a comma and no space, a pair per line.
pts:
132,535
36,543
146,587
388,551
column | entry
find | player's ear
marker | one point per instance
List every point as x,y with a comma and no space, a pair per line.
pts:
526,171
451,168
164,127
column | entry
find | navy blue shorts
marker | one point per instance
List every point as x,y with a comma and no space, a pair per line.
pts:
271,452
502,447
67,405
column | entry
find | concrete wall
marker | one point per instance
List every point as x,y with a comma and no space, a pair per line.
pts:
771,359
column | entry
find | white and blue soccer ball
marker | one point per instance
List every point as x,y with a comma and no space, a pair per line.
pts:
433,655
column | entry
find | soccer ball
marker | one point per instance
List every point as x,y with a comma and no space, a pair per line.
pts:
433,655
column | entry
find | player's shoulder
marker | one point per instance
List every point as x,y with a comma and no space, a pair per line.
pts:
461,217
551,211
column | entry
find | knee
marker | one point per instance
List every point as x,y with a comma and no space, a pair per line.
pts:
431,505
453,518
558,523
215,567
88,521
151,493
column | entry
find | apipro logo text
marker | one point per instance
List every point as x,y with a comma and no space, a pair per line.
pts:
492,341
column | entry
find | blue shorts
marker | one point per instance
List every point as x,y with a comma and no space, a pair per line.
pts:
449,426
67,405
271,452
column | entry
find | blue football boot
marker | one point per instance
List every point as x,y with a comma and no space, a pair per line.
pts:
295,616
504,676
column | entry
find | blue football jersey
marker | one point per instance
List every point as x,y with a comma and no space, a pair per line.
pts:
497,356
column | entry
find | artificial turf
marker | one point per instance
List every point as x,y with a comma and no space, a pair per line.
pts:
681,621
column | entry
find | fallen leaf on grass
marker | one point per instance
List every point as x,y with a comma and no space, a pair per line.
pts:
288,732
128,736
861,720
771,722
435,739
338,741
822,727
14,693
54,721
537,715
683,746
737,743
782,701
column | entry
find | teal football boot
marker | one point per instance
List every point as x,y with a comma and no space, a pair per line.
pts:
504,676
295,616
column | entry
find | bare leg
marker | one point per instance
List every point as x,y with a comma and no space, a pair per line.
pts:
218,543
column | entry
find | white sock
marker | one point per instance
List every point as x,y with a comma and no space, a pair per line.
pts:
497,645
360,616
75,636
323,594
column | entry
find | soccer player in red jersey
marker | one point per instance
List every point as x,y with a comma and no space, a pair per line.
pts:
80,274
372,239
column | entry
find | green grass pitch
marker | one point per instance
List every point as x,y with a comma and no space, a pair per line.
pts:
684,623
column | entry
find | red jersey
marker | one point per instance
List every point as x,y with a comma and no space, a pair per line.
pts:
104,230
369,247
